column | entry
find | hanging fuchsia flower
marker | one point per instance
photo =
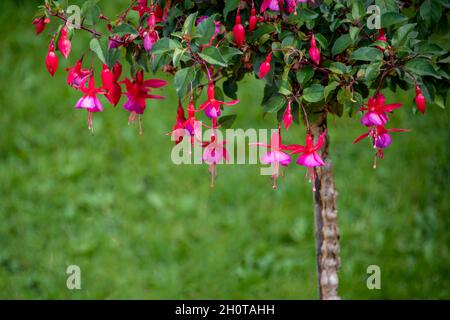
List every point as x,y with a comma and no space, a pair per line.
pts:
292,5
77,76
420,100
212,106
309,156
138,91
314,52
149,39
287,117
270,4
376,114
239,31
252,20
64,44
114,90
180,122
381,139
141,7
51,61
89,101
264,68
108,78
40,24
275,157
214,153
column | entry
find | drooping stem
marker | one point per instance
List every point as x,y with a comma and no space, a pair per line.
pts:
326,225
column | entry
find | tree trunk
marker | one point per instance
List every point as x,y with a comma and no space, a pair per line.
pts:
326,228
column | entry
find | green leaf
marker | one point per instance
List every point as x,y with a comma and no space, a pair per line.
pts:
305,74
430,12
392,18
165,45
177,54
212,55
354,32
274,103
357,9
367,54
96,47
230,88
125,29
330,88
183,79
402,33
372,71
321,40
189,23
314,93
341,43
91,12
227,121
228,53
265,29
205,30
230,5
339,68
422,67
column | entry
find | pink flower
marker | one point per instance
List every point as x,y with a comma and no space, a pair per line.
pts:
149,39
376,114
381,139
64,45
77,76
309,156
138,91
271,4
314,52
264,68
214,153
212,106
252,20
420,100
89,101
275,156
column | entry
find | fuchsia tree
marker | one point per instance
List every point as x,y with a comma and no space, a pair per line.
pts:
317,58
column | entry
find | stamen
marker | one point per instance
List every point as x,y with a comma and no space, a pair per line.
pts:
140,126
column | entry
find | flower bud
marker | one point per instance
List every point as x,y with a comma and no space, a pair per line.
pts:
420,100
287,118
252,21
264,68
314,52
64,45
51,60
239,32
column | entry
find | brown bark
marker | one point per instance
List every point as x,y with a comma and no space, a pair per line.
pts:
327,231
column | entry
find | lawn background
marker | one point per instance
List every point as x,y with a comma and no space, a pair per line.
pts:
141,227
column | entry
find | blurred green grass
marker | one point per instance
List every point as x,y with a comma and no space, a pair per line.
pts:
141,227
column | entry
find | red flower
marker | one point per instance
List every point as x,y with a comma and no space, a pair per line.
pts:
142,7
64,45
40,24
51,61
108,78
381,139
138,91
212,106
239,31
377,110
420,100
264,68
77,75
309,156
